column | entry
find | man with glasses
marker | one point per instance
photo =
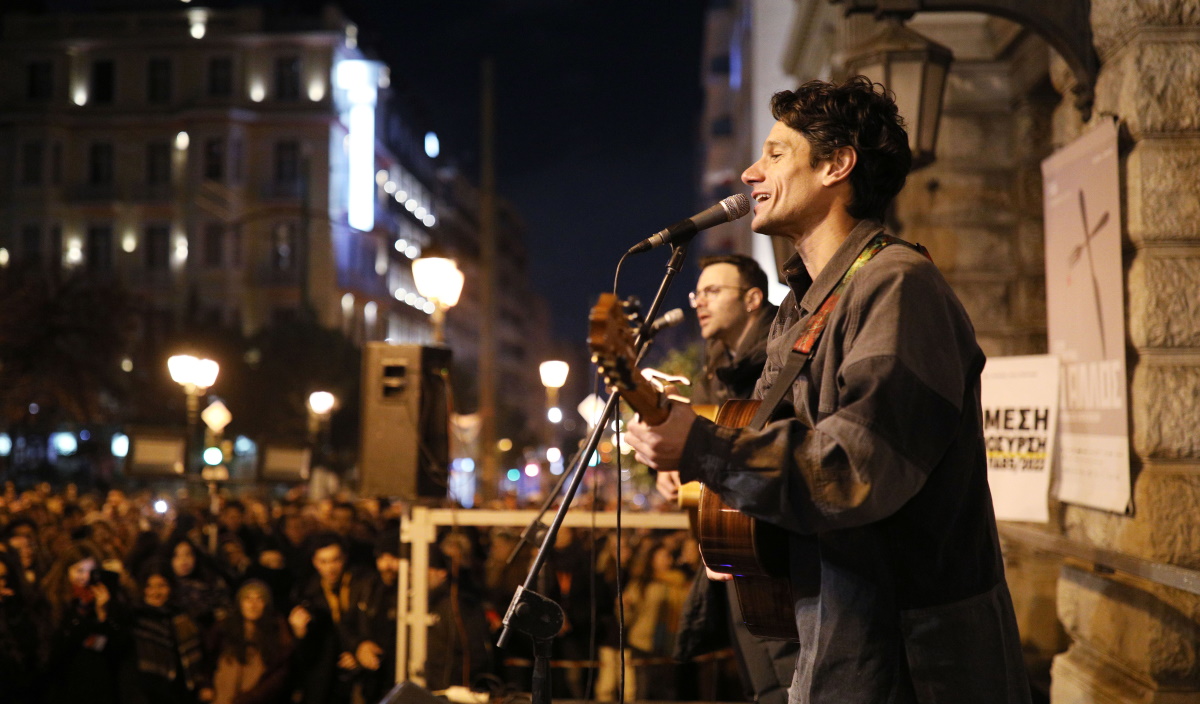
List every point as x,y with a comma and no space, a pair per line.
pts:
735,316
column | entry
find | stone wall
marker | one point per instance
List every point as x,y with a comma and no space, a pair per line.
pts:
1135,641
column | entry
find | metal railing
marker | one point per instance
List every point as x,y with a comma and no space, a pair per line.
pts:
1105,560
420,531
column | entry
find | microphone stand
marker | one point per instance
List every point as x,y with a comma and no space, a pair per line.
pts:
539,616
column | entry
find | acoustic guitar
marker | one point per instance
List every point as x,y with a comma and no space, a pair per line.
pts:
754,552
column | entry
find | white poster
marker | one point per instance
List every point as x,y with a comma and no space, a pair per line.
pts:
1085,312
1020,414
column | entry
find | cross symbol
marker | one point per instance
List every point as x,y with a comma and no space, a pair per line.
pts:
1086,247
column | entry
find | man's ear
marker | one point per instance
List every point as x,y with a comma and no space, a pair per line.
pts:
839,165
754,299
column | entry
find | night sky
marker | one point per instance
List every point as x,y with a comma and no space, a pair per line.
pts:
598,105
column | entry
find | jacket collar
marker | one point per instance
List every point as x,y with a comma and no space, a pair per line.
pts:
811,294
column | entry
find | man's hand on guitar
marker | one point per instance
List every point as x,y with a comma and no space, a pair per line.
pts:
661,446
668,485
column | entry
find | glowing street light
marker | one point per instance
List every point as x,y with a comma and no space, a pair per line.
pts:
195,376
320,405
554,375
439,280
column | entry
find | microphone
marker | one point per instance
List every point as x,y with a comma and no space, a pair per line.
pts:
728,210
671,318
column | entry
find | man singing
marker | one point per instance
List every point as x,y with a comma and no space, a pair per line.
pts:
876,453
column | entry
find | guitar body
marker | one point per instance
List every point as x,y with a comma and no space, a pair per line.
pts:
755,552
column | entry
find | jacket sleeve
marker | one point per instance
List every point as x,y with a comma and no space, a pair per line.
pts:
902,352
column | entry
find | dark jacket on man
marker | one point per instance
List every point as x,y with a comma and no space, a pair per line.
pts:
732,373
882,468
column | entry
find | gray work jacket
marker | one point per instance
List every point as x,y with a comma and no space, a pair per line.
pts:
883,464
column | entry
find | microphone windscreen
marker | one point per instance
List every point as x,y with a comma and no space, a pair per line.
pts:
737,206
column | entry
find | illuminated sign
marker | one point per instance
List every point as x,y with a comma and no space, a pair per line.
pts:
359,80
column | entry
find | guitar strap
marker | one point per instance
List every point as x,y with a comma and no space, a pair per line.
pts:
802,349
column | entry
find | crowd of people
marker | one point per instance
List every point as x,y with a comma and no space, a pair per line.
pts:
130,598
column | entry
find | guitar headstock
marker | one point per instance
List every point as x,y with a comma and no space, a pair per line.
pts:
611,340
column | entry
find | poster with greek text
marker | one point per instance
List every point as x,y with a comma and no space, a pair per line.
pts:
1085,312
1020,413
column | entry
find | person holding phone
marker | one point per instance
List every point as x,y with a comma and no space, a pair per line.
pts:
87,628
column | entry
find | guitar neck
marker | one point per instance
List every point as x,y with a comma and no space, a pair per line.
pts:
646,401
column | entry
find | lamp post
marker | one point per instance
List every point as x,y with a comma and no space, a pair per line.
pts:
320,406
554,375
439,280
195,376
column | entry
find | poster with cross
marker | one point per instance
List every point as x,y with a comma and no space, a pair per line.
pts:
1085,318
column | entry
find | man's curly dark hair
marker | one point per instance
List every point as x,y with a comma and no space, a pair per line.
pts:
855,113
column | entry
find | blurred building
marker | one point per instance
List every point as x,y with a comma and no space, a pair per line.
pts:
238,166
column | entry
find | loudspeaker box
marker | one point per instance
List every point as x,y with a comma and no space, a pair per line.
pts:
405,444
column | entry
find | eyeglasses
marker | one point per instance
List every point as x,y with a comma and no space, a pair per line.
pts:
708,292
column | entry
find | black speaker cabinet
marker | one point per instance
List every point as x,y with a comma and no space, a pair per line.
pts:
405,448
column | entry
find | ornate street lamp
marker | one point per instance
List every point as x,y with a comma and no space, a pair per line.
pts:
1064,24
914,68
195,376
439,280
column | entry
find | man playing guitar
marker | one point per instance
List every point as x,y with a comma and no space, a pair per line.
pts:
735,316
875,453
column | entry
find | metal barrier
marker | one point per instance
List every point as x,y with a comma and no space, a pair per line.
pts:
1104,560
419,530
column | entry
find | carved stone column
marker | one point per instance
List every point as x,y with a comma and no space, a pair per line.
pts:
1135,641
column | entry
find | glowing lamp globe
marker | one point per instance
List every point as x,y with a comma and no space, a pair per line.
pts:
554,374
438,279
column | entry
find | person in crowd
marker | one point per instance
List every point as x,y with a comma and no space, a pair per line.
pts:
232,559
653,602
271,568
20,641
572,561
323,622
376,627
169,664
459,648
343,520
202,591
22,541
231,522
254,651
873,460
608,613
293,532
88,633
